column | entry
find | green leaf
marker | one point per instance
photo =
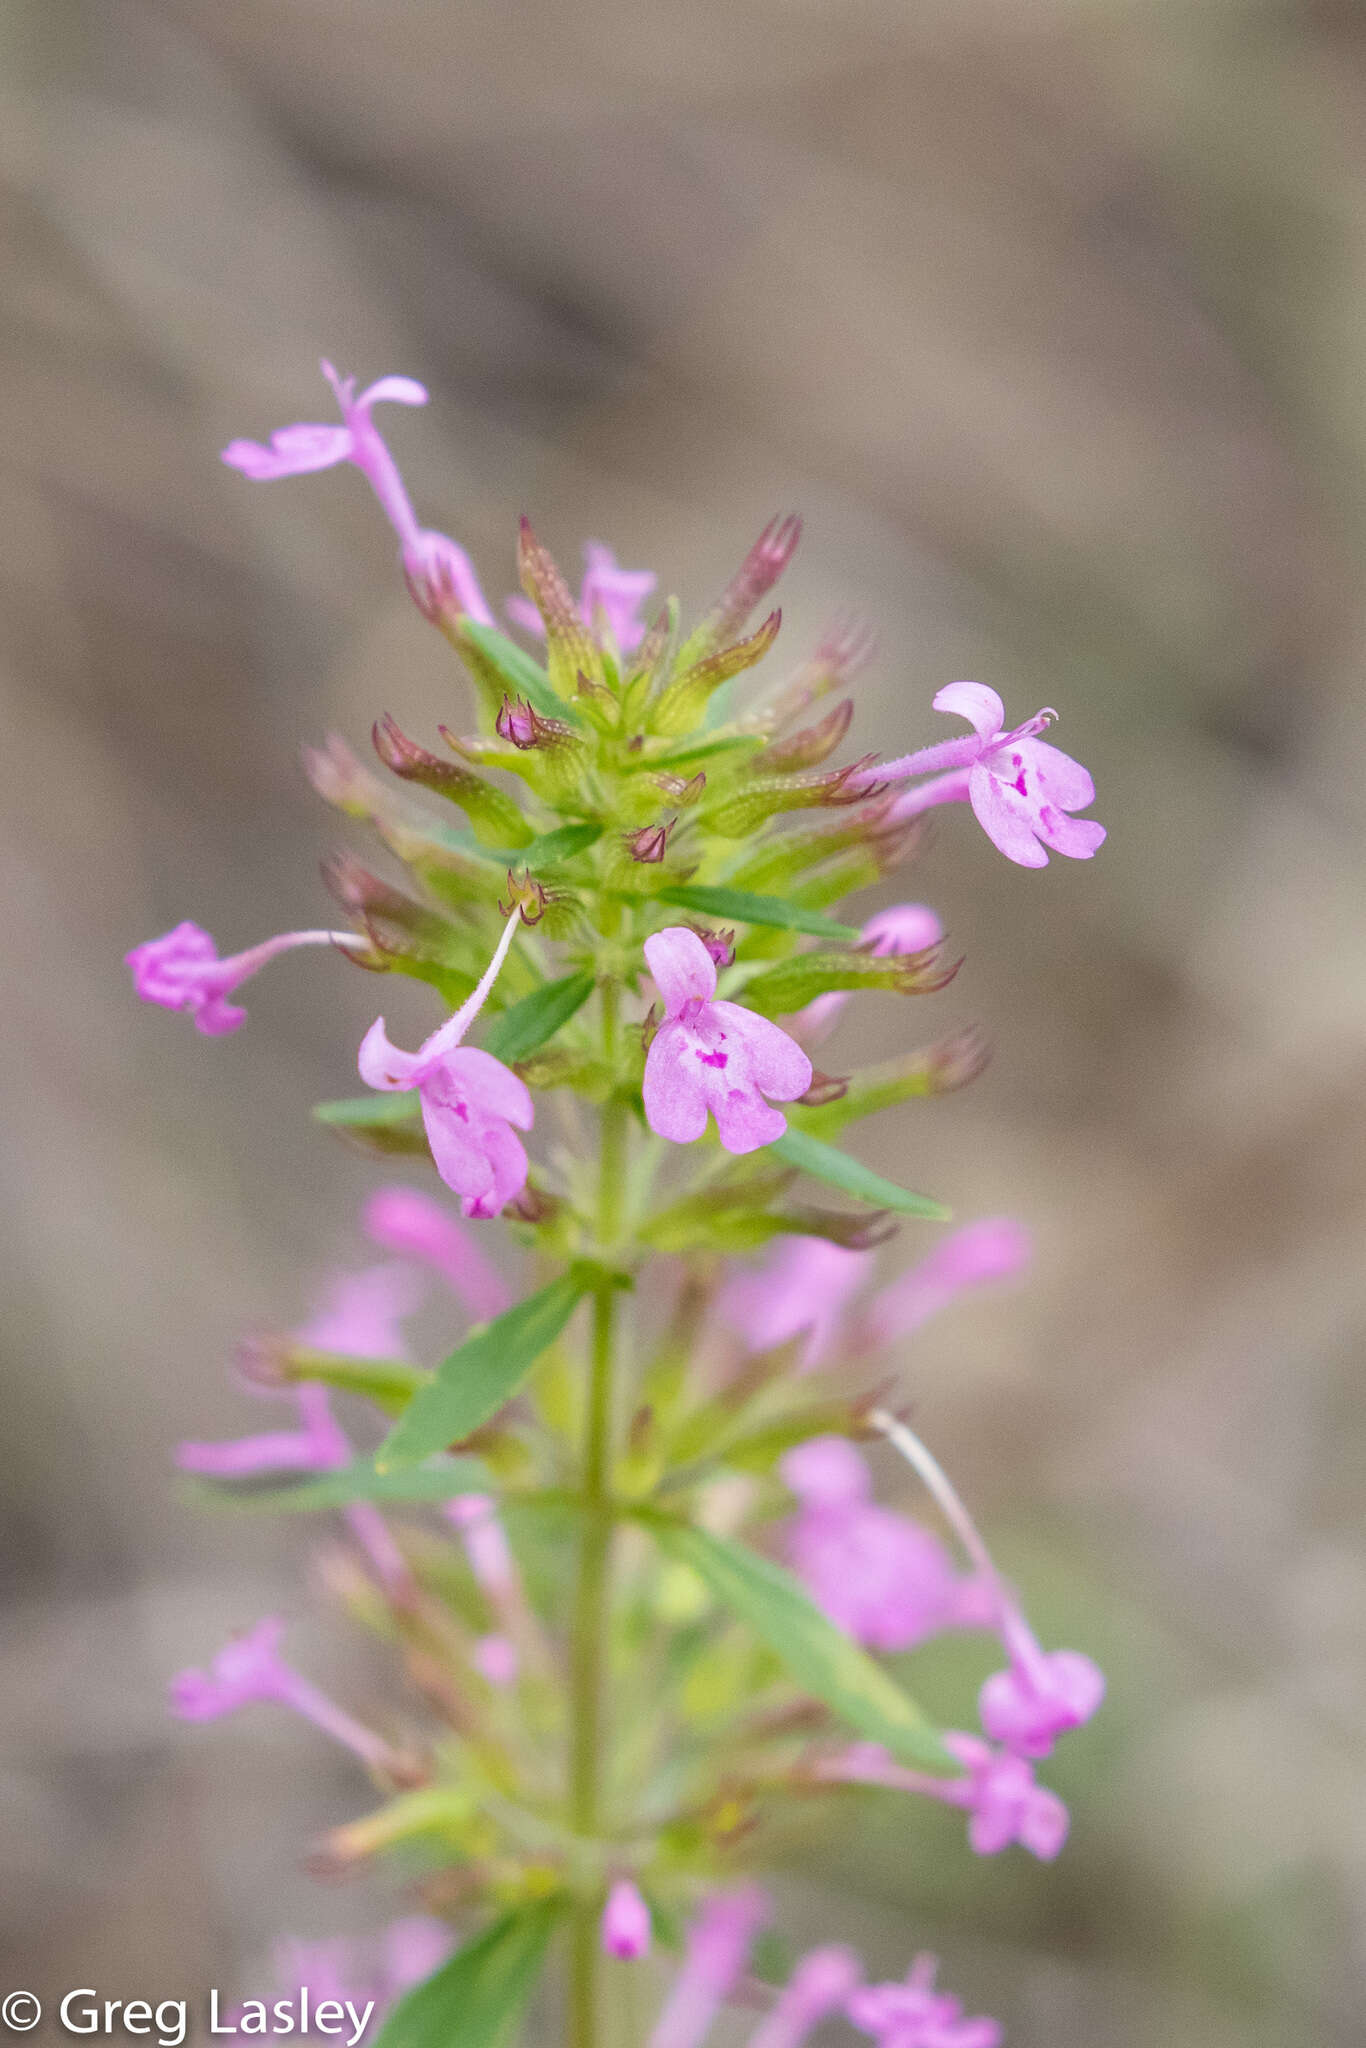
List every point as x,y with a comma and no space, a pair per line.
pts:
824,1661
537,1017
517,670
839,1170
435,1482
747,908
361,1112
484,1372
477,1997
551,847
391,1383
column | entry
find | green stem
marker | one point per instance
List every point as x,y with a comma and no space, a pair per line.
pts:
589,1642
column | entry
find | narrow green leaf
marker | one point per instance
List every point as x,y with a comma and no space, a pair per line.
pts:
477,1997
550,847
537,1017
822,1660
747,908
391,1383
839,1170
484,1372
519,672
362,1112
435,1482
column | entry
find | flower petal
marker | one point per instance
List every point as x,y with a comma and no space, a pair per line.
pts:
491,1087
744,1121
383,1065
675,1105
1055,775
293,451
976,702
399,390
775,1062
683,969
458,1150
1002,820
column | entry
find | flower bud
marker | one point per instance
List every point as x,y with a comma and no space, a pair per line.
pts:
650,843
494,818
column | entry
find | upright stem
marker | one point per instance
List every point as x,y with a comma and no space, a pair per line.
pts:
589,1644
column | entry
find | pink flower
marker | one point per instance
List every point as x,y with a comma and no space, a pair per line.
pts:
879,1576
1041,1695
249,1669
718,1945
994,1249
915,2015
412,1948
440,573
802,1286
405,1221
358,1317
614,592
997,1792
496,1661
486,1544
470,1101
819,1986
1021,788
716,1056
182,971
902,928
625,1922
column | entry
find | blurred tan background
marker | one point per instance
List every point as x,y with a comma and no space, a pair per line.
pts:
1051,318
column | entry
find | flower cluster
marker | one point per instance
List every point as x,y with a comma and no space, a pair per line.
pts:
556,1530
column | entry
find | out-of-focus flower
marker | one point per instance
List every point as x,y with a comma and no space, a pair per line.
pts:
615,593
441,574
411,1948
406,1221
182,971
1021,788
879,1576
994,1249
1042,1694
249,1669
470,1101
998,1792
495,1659
718,1945
714,1056
902,928
819,1986
803,1286
914,2015
625,1922
486,1544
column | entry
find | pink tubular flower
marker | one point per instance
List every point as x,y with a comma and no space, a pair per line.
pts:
718,1945
819,1986
997,1792
248,1669
1041,1695
879,1576
412,1224
716,1056
470,1101
615,593
411,1949
804,1285
994,1249
902,928
182,971
1021,788
914,2015
440,573
625,1922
